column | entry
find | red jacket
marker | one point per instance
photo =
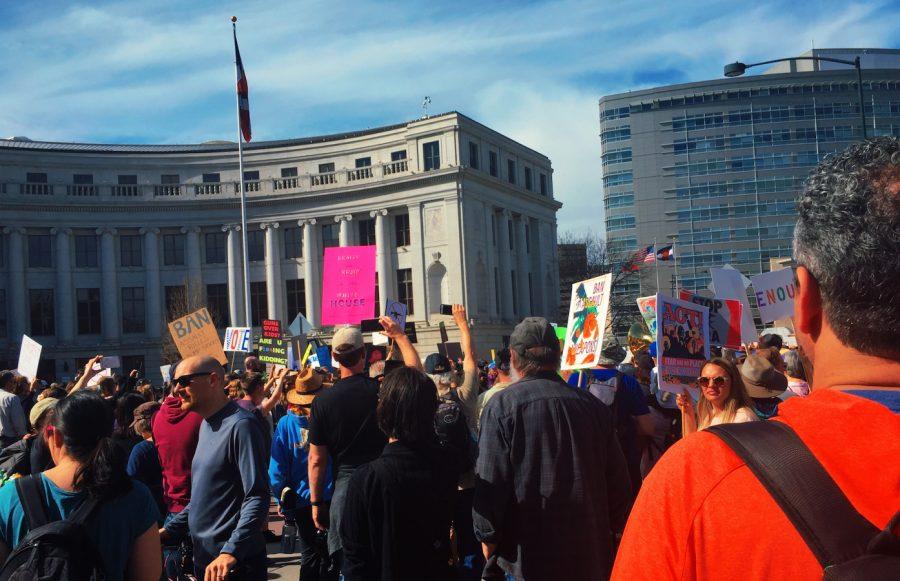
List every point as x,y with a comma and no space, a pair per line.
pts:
175,433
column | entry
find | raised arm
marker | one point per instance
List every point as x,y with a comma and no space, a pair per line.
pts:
87,374
396,333
468,346
270,402
468,388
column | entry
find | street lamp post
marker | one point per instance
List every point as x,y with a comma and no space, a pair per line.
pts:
737,69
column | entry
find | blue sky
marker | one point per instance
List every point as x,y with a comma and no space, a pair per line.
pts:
161,71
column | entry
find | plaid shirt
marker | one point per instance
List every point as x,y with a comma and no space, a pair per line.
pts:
552,485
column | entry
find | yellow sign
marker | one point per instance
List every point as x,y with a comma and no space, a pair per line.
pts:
195,334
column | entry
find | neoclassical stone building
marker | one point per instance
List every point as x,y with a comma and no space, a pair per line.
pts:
99,240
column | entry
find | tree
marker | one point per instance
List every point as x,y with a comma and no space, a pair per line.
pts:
180,301
587,255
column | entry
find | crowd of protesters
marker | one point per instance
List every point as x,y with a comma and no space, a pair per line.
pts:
498,469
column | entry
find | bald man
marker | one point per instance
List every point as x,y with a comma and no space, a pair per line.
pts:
229,486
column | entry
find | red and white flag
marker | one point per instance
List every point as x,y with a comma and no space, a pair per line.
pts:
243,91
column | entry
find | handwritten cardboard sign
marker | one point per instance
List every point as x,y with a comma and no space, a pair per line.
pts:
682,342
774,294
348,285
237,339
587,322
195,334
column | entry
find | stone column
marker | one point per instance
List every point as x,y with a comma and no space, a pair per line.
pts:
312,284
192,259
155,317
522,269
538,243
493,307
109,291
386,277
506,301
65,306
235,276
16,288
417,250
274,284
344,235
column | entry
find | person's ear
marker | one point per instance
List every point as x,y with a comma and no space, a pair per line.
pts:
808,314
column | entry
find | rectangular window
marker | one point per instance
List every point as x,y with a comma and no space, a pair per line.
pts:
511,171
515,291
528,184
296,297
3,325
211,178
217,303
494,228
492,161
527,238
133,316
176,301
431,155
83,179
251,176
216,247
401,229
398,155
86,253
36,178
259,303
173,249
512,236
473,155
326,167
88,310
131,250
39,252
366,232
256,245
377,297
127,180
405,288
288,172
41,312
543,184
530,294
497,288
330,235
127,186
293,242
170,179
363,162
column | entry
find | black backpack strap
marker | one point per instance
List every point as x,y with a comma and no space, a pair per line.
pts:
832,528
31,496
84,511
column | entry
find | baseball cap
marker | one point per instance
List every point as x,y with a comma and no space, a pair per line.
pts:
349,338
533,332
145,411
40,407
436,364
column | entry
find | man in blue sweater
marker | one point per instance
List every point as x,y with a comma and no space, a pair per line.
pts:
229,486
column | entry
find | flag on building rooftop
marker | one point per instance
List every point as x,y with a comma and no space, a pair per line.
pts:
243,91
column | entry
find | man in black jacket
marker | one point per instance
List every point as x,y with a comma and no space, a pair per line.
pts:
553,512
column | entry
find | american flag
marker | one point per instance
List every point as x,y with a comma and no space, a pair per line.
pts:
645,255
243,91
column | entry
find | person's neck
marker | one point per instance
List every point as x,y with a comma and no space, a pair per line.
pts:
717,408
214,407
63,474
836,366
504,378
349,372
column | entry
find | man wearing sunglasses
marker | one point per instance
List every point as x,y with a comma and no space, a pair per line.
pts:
229,486
708,513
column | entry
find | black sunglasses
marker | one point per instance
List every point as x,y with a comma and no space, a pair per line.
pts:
185,380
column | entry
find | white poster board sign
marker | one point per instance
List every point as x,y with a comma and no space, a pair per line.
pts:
29,357
774,294
728,283
237,339
587,322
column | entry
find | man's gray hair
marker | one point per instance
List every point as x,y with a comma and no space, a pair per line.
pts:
848,237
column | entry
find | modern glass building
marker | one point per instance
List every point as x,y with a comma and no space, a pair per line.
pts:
717,165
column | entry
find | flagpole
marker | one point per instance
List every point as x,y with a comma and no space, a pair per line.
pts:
240,140
675,259
656,264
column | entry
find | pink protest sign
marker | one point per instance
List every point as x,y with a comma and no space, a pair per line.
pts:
348,285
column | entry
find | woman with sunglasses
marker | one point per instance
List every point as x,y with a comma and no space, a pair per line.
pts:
88,465
723,400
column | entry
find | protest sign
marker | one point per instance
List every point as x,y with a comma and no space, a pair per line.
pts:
29,357
724,318
271,329
300,326
237,339
682,342
452,351
105,372
166,372
587,322
323,355
397,311
728,283
195,334
647,306
273,351
380,339
111,362
774,294
443,330
348,285
410,330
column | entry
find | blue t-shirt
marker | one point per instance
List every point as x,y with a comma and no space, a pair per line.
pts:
143,465
890,398
113,528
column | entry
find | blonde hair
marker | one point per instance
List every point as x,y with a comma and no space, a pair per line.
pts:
737,395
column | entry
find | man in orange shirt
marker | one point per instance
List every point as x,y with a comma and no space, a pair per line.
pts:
701,513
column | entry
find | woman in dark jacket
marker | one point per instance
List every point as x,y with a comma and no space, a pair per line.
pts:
396,522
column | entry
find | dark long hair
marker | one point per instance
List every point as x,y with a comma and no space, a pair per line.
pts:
407,406
85,422
124,414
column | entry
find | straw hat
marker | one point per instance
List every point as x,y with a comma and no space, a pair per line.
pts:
307,385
